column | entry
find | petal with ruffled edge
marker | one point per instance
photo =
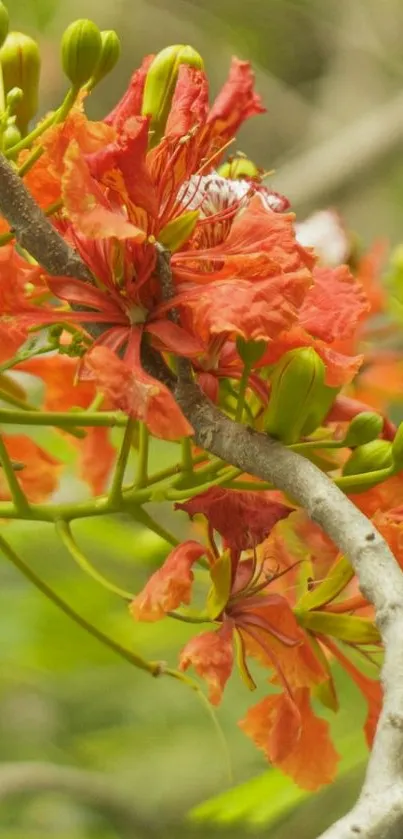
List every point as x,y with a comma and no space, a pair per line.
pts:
235,103
170,586
243,519
300,744
334,304
132,99
260,244
274,724
127,155
212,656
132,391
87,205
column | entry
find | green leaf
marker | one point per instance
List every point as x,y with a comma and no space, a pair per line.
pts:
339,575
221,585
344,627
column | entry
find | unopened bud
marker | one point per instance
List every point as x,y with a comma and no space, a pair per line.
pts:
363,428
21,64
161,82
239,168
4,23
13,99
178,231
299,398
11,136
110,54
81,51
370,457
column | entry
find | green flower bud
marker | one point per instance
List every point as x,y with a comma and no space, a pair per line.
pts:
250,351
178,231
13,99
397,448
110,54
239,168
299,398
11,136
81,51
4,23
161,82
21,64
363,428
370,457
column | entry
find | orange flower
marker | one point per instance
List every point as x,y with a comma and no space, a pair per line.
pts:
211,654
169,586
293,738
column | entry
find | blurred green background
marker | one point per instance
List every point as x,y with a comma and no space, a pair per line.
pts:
80,730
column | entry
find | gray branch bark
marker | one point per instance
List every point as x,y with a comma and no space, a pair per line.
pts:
34,231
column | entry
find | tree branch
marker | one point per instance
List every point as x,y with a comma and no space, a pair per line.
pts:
89,788
33,230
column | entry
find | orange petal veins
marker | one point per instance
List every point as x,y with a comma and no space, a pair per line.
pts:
274,724
212,656
310,759
334,304
169,586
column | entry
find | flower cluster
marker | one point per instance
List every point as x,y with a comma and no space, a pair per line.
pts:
277,323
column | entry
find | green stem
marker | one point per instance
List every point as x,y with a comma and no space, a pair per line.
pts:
149,666
142,463
243,386
115,494
66,536
59,419
365,480
17,494
316,444
253,486
143,517
6,396
228,474
187,458
54,118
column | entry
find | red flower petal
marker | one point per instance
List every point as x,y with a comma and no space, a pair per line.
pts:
174,338
333,305
169,586
189,103
128,155
235,103
87,206
211,654
132,99
274,725
131,390
312,761
243,519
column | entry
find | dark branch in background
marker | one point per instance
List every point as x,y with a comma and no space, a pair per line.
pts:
33,230
378,813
